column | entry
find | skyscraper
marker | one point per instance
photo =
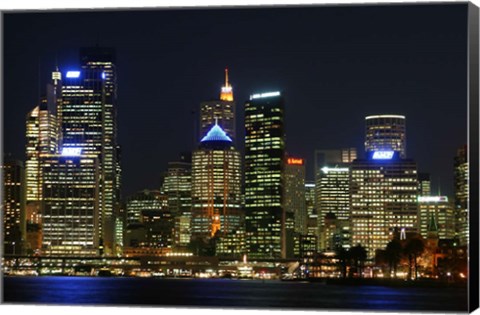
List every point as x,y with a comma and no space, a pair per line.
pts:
216,186
461,195
441,211
264,172
383,192
386,132
312,217
42,138
333,200
424,184
222,110
87,118
177,186
142,201
294,193
70,203
13,206
332,157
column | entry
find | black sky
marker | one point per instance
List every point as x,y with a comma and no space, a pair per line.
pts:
335,65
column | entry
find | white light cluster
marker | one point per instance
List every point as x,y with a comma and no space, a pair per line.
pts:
382,155
72,151
263,95
334,169
385,116
432,199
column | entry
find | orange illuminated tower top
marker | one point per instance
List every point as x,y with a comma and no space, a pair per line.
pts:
227,92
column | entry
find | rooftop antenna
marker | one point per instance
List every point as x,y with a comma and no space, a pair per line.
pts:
226,77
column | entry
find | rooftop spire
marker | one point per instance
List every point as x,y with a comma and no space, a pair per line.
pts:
227,92
226,77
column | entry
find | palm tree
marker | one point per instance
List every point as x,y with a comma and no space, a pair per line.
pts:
359,255
393,253
343,257
413,249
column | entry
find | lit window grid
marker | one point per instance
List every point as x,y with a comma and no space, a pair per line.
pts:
383,197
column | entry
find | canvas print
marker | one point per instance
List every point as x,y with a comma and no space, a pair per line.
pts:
274,157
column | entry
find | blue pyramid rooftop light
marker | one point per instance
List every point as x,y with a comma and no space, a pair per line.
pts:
216,133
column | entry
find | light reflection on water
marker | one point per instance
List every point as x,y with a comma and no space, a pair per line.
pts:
227,292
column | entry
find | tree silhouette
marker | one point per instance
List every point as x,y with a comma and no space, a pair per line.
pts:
393,253
358,254
413,249
343,258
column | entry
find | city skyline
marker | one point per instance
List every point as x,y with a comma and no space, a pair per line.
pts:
311,87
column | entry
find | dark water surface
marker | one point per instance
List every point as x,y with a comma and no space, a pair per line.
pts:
227,292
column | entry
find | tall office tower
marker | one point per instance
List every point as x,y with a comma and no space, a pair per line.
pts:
386,132
87,118
331,157
312,217
333,198
310,198
42,138
13,204
383,192
42,135
142,201
222,110
424,184
216,186
177,187
70,203
440,211
294,193
461,195
264,172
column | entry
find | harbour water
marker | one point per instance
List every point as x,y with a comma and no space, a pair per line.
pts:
228,293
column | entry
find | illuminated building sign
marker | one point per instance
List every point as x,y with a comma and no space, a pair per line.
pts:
72,151
384,116
73,74
382,155
263,95
432,199
103,75
326,170
294,161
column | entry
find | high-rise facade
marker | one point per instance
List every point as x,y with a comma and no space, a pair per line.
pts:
264,175
177,187
441,211
424,184
221,111
42,138
386,132
87,120
384,192
332,200
294,193
461,195
70,211
331,157
312,217
216,186
145,200
42,133
13,206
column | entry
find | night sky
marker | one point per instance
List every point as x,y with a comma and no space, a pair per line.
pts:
334,64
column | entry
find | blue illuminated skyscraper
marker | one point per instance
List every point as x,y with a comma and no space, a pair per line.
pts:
216,186
87,119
